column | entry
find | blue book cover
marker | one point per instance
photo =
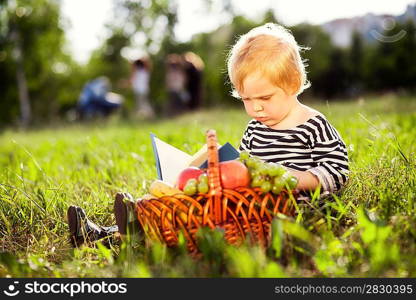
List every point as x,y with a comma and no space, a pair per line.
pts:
225,152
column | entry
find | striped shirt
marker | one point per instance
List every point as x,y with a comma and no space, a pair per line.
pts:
313,146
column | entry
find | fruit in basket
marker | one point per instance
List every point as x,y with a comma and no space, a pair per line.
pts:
186,174
203,178
203,187
244,155
266,186
191,187
159,188
234,174
292,182
256,181
275,170
167,217
278,185
267,175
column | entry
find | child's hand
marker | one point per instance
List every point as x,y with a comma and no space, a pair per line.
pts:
306,180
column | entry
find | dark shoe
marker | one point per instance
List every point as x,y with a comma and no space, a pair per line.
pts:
82,229
125,214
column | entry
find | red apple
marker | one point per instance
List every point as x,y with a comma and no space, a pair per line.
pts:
186,174
234,174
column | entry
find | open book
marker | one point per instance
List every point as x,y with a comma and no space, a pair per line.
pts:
170,161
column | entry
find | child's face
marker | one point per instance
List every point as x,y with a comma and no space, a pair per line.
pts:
264,101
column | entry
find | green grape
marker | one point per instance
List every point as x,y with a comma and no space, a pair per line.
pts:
278,184
258,163
203,187
271,170
276,170
190,187
254,172
251,163
285,176
292,182
278,181
192,181
277,189
263,169
244,155
282,170
189,190
203,178
256,181
266,186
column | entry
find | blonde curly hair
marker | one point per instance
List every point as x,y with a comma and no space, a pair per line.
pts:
271,50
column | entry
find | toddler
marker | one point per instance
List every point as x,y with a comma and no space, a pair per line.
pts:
267,74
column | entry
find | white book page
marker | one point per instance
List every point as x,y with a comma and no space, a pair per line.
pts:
172,160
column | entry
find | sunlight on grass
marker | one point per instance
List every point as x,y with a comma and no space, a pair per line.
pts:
368,230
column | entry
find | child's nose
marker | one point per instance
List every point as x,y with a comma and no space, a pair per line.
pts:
257,106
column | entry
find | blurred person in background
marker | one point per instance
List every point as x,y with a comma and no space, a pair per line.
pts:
140,81
194,67
96,100
176,80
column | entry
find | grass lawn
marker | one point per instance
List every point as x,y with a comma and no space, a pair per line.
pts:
370,230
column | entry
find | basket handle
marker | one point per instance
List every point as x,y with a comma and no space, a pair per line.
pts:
214,179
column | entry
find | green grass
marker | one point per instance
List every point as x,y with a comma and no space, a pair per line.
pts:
370,230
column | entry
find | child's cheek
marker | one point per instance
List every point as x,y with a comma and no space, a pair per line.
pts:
248,109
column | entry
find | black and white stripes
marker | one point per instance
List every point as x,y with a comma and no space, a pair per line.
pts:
314,146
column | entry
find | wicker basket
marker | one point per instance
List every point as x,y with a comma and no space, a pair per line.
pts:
241,212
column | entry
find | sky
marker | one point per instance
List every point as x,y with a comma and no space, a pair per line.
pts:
85,19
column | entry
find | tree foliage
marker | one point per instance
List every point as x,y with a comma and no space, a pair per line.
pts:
46,66
54,79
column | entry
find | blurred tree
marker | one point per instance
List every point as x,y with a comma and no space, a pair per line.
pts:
411,52
141,28
213,47
108,61
356,64
336,76
149,21
406,57
31,59
382,66
39,80
391,66
270,17
317,56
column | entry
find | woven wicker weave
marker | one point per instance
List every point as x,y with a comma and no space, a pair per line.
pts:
241,212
